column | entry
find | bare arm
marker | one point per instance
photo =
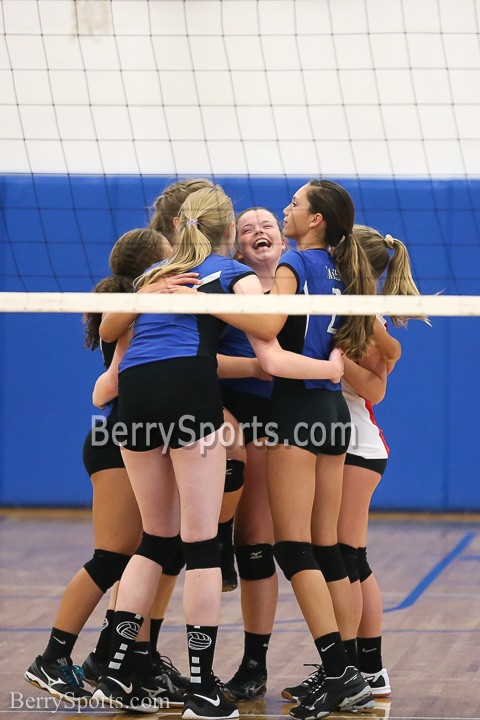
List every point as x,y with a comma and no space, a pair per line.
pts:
240,367
106,387
388,347
265,327
114,325
283,363
368,377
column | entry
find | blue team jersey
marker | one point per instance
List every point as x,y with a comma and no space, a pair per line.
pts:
312,335
235,343
167,336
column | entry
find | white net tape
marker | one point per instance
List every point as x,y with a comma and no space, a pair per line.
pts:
204,303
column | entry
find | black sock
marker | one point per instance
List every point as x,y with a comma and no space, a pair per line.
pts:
370,654
126,626
201,648
225,533
351,650
60,645
155,625
333,655
142,659
256,647
103,643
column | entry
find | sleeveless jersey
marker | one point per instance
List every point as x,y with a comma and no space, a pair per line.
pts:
234,343
312,335
167,336
367,439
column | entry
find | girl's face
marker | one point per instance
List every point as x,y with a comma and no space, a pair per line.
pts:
259,237
297,215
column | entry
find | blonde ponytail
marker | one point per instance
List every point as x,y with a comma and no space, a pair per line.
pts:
203,225
398,278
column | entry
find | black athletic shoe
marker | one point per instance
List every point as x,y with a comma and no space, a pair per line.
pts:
335,693
227,566
249,682
126,695
297,692
162,690
61,678
162,665
208,705
93,669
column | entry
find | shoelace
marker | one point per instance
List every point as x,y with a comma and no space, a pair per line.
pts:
165,679
313,683
314,677
219,682
73,675
169,664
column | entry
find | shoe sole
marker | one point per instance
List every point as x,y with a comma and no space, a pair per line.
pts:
38,683
229,588
191,715
165,704
288,696
150,708
383,693
350,704
99,695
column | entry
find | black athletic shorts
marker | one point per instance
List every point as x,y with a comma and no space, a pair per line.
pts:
169,403
315,420
378,465
99,450
253,412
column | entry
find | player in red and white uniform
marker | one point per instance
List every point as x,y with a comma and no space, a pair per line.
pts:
364,384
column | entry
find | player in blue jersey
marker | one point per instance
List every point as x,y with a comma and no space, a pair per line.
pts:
246,391
305,468
171,407
116,519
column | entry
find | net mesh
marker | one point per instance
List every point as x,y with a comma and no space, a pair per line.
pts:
106,102
103,103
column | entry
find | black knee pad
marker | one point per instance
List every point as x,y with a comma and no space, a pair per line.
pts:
176,561
293,557
234,475
202,554
350,560
330,562
364,569
106,567
158,549
255,562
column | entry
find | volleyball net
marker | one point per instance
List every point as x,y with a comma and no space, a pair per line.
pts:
104,103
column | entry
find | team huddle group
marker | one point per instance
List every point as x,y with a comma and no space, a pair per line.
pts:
175,495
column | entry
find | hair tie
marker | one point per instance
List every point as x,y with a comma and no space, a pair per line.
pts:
389,241
192,221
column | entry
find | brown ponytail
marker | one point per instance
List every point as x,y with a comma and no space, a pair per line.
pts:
335,205
356,331
134,252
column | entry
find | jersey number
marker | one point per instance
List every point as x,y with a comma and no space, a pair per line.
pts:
330,329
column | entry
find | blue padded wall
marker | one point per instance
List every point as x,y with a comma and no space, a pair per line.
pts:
56,233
